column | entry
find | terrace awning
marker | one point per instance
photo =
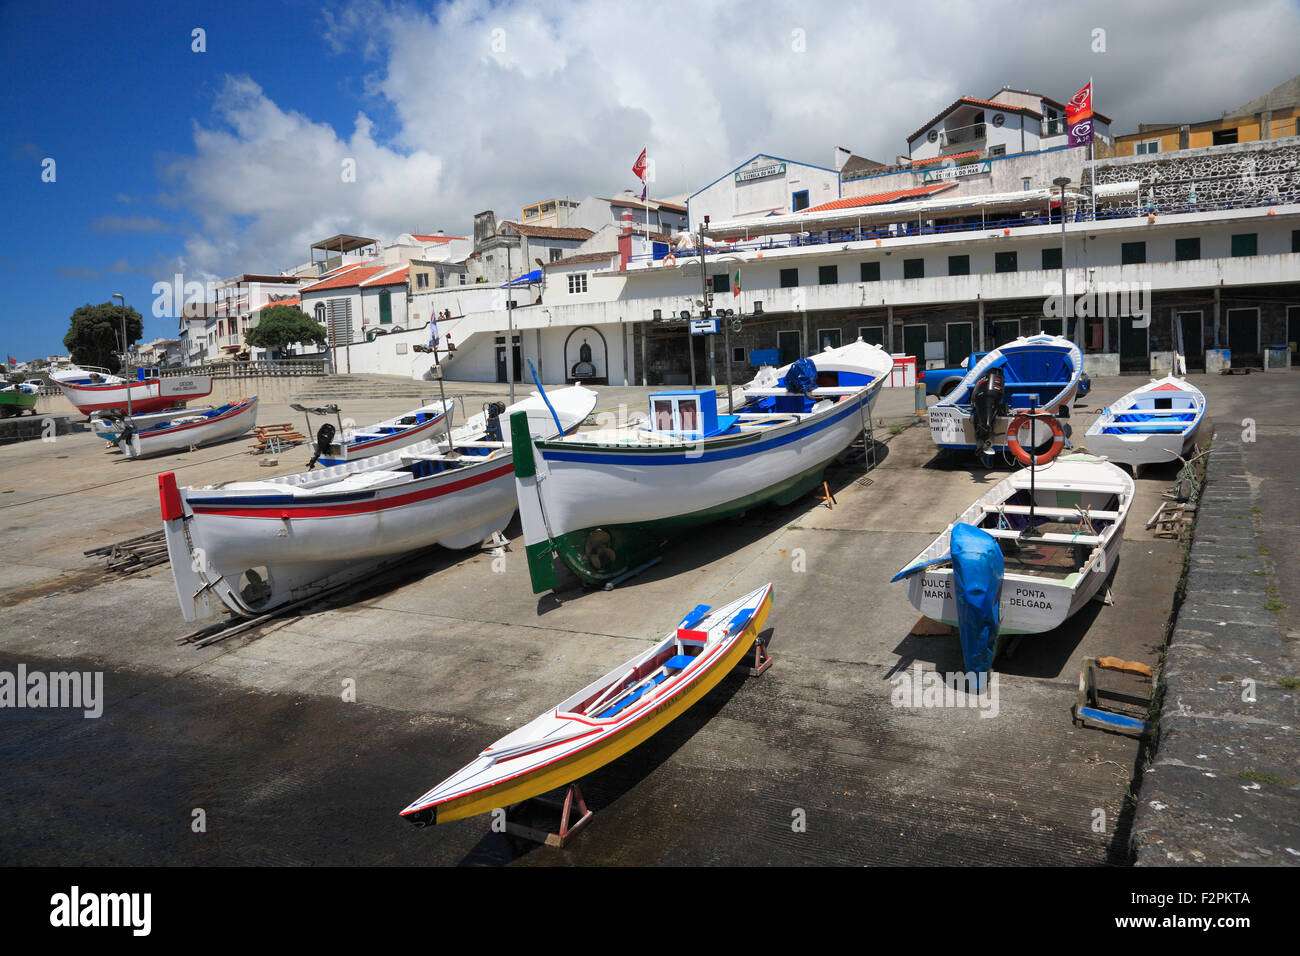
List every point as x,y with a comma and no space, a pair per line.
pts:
527,278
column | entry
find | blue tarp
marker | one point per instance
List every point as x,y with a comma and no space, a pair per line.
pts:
977,570
534,276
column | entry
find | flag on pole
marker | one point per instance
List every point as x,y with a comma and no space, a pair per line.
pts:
12,360
735,283
433,333
639,166
1078,117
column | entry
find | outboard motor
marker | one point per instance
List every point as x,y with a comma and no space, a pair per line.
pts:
986,404
324,438
494,411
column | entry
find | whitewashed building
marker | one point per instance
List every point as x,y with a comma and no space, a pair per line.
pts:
760,186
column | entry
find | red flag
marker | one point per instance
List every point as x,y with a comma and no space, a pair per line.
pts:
12,360
639,166
1080,106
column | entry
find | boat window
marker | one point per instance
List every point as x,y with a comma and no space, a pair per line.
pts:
663,416
690,416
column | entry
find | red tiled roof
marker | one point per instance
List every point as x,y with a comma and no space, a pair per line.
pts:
940,159
876,199
416,235
387,278
296,301
346,278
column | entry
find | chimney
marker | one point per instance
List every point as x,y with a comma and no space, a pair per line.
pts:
625,239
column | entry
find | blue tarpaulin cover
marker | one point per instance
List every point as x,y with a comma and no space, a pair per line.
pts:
977,570
802,377
525,279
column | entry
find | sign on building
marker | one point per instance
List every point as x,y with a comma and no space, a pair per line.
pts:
945,173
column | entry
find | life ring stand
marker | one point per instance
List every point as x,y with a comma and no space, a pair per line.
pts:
669,260
1018,450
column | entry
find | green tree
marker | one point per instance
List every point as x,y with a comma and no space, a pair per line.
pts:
283,325
96,331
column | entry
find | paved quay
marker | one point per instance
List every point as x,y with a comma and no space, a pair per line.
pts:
1224,786
812,763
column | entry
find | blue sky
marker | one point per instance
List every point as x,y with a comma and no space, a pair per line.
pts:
227,161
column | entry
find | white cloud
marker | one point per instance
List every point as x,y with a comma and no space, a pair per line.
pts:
496,105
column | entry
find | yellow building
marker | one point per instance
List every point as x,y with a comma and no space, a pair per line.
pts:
1274,115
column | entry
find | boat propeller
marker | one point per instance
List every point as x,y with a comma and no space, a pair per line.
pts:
598,552
324,438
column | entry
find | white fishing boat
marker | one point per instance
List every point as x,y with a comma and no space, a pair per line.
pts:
605,719
1033,372
256,545
110,423
335,445
604,501
185,429
1058,528
95,389
1152,425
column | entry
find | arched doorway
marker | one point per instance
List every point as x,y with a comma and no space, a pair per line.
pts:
586,357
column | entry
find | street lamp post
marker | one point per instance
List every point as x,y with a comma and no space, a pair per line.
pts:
1061,182
126,354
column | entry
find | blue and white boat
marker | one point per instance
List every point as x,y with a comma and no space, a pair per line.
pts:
603,502
185,429
110,423
1152,425
1033,372
1028,554
335,446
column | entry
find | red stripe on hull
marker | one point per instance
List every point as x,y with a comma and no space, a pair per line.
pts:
278,512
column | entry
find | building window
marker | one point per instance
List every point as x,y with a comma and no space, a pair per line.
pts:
871,270
1224,137
913,268
959,265
872,334
422,280
719,284
789,278
1295,235
999,150
577,282
1186,250
738,354
1052,258
530,212
556,255
1149,146
1004,261
320,312
1024,183
1245,244
1053,122
1133,253
828,338
799,200
828,275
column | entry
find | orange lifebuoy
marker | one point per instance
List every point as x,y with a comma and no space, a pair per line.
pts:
1018,450
670,260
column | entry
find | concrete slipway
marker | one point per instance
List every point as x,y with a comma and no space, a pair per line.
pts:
809,764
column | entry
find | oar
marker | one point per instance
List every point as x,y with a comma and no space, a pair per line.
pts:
919,567
558,427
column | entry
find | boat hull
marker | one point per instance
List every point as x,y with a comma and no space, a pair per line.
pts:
1028,604
638,498
16,402
590,751
144,396
185,435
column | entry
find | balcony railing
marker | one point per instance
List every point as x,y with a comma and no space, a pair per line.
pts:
1081,213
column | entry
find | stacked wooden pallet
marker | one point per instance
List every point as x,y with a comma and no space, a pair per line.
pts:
270,438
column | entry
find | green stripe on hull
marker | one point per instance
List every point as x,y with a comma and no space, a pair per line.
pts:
600,554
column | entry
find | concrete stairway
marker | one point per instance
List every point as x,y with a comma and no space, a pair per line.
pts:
332,388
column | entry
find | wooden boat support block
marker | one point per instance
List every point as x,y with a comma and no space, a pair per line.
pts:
762,659
566,830
1136,668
